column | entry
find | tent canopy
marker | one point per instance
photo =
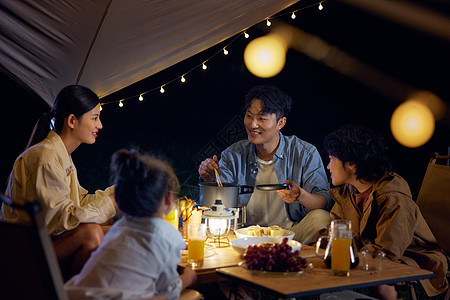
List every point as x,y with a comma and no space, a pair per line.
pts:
110,44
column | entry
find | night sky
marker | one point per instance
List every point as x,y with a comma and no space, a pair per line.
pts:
202,116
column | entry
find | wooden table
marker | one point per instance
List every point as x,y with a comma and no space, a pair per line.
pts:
319,280
218,257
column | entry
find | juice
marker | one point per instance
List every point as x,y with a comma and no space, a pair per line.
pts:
196,250
172,218
340,256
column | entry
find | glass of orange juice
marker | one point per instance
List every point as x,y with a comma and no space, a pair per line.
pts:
341,242
196,244
173,217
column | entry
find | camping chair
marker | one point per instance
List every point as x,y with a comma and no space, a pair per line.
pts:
28,264
434,202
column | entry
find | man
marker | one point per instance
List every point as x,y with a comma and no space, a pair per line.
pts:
269,157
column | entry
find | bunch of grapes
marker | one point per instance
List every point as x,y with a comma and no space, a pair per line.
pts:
274,257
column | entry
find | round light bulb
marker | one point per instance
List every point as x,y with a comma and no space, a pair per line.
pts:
162,90
268,22
293,15
412,124
246,35
120,104
204,66
225,51
183,79
265,56
141,98
320,6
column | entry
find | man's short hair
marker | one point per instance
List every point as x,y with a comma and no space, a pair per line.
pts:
273,100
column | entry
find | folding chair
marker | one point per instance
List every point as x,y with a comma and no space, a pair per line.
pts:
434,202
28,265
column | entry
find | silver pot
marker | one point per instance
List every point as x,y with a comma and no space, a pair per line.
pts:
228,193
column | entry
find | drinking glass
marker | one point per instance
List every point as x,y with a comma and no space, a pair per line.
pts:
196,244
341,240
372,260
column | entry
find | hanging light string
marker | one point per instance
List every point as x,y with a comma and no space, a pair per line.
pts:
203,64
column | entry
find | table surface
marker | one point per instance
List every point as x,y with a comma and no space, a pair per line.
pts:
320,280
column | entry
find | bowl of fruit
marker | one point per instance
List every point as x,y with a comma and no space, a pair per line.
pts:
241,244
274,258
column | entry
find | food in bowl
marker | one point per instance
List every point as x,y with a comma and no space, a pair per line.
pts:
279,257
258,231
241,244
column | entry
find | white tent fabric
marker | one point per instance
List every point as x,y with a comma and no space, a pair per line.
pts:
110,44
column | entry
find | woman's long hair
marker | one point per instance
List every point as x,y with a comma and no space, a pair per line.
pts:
73,99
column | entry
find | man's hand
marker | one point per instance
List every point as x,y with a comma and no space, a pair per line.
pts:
207,167
292,194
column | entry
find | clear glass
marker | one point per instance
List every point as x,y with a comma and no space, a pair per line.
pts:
196,244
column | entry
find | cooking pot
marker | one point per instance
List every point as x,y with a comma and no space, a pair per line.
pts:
228,193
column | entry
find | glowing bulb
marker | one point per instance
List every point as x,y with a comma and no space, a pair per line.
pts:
162,90
141,98
265,56
204,66
101,107
268,22
246,35
120,103
293,15
183,79
225,51
412,124
320,6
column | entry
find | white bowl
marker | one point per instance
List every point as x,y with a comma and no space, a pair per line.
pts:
241,244
242,232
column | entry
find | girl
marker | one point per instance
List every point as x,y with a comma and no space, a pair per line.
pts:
45,172
138,257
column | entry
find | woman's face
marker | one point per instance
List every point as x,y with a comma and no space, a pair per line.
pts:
88,126
340,173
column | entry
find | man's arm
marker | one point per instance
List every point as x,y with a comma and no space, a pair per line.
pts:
308,200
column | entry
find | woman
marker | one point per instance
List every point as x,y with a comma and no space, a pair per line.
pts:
45,172
379,204
138,257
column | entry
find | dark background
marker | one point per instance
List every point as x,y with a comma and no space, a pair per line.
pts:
200,117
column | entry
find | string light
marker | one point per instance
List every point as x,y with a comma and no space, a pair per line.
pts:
101,107
224,50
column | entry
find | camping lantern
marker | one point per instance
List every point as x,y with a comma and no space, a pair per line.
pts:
218,221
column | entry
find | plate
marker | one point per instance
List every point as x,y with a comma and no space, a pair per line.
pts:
309,267
272,187
242,232
241,244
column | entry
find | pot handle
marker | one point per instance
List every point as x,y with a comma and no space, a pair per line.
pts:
245,189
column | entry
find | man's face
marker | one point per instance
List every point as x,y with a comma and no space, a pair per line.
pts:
261,128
